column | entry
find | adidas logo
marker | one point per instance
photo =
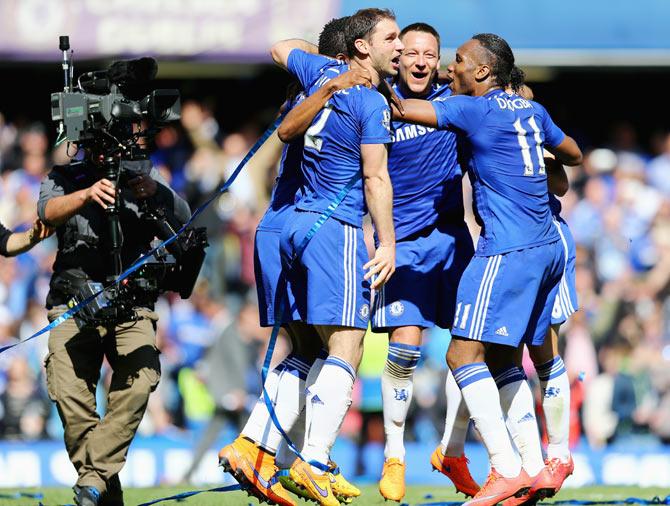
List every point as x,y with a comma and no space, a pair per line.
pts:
502,331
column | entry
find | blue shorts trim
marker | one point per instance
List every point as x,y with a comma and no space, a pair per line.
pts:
566,303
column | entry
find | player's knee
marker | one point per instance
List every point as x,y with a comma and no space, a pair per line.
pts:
406,335
542,354
463,352
348,345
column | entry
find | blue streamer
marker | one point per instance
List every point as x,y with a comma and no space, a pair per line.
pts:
576,502
629,500
147,256
278,321
21,495
185,495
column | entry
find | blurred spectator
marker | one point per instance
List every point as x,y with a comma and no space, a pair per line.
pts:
23,405
617,347
223,369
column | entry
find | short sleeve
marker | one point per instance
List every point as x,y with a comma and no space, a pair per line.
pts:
553,135
306,66
375,118
459,112
52,186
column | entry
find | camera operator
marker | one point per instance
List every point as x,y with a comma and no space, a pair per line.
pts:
15,243
73,198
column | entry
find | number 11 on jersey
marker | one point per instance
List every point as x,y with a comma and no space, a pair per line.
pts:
528,169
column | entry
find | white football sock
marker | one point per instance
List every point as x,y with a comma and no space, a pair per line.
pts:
516,401
456,421
285,386
285,456
481,396
397,390
556,406
328,400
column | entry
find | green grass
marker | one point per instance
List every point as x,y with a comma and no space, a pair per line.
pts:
415,495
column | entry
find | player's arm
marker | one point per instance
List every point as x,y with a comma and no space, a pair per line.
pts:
379,199
20,242
567,152
416,111
557,179
562,146
283,48
298,120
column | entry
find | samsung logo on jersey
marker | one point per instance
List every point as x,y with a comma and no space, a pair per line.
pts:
409,132
513,104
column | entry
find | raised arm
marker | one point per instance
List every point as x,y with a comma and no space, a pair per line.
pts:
283,48
298,120
567,152
379,199
416,111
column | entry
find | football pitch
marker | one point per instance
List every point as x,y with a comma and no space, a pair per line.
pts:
416,495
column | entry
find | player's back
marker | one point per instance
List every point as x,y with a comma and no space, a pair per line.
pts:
425,174
288,181
332,154
501,139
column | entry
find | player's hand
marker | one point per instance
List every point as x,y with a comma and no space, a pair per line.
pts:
39,231
351,78
382,266
142,187
396,104
103,192
444,77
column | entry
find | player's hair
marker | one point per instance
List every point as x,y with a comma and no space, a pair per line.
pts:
421,27
502,61
331,38
362,24
517,78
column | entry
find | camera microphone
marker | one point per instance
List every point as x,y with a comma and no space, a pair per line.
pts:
133,71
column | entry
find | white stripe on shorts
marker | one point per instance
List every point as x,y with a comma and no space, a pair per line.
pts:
484,296
475,313
347,281
485,309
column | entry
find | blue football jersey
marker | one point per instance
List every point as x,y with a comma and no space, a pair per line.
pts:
500,143
332,153
425,173
288,182
555,205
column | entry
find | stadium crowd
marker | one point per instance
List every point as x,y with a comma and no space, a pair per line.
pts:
616,348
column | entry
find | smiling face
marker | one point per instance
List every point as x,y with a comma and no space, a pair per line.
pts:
471,70
419,62
384,48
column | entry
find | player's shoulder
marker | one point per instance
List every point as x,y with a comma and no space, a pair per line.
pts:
362,96
511,102
299,55
439,91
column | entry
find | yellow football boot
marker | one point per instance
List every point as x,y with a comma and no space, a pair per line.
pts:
392,484
254,469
